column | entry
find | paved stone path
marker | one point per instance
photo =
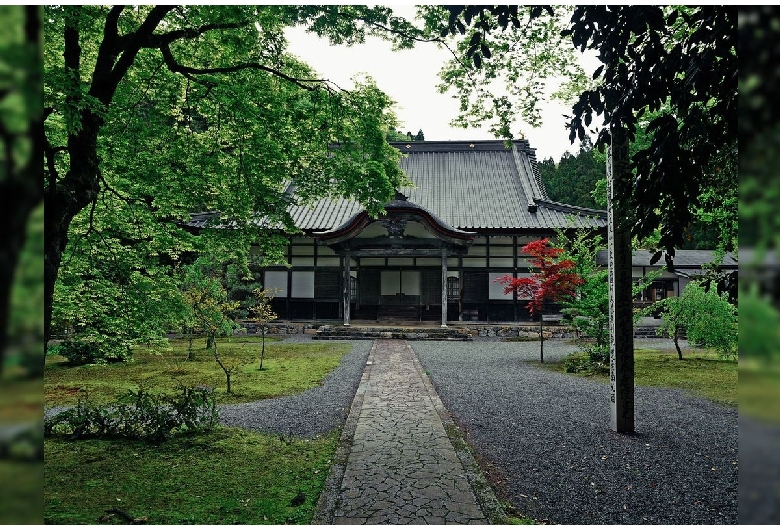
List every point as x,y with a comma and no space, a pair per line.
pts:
397,466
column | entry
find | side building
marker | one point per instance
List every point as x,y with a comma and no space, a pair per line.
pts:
435,253
688,266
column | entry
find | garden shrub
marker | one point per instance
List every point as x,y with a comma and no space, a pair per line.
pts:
576,363
139,415
81,352
583,363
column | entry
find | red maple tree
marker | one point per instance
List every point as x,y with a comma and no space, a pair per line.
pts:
555,279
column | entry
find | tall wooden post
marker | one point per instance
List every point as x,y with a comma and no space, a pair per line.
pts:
444,286
347,290
621,326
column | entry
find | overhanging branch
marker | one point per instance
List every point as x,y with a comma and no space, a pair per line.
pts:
191,73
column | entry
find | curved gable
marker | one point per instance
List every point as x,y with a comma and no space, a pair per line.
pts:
398,213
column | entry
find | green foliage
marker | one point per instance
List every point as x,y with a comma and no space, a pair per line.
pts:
398,136
708,319
702,372
106,351
54,349
209,309
589,310
115,289
680,63
759,127
139,415
759,327
528,61
575,177
263,314
586,363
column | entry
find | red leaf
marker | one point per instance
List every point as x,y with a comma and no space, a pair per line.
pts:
553,281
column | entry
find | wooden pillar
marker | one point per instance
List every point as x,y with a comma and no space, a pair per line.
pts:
621,336
347,281
444,286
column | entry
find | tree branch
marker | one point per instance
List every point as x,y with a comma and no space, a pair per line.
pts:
406,35
107,79
109,47
190,72
107,187
165,39
72,53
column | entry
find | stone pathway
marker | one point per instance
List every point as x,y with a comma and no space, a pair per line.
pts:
396,464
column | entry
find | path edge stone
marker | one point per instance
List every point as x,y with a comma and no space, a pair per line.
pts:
483,492
328,501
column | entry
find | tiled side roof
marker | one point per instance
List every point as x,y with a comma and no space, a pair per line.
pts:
468,185
324,214
682,259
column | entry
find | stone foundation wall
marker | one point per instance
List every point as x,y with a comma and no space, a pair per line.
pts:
279,328
530,331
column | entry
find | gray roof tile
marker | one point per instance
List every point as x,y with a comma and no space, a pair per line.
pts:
468,185
682,259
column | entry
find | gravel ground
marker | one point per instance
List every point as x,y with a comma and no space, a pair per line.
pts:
317,411
759,472
544,439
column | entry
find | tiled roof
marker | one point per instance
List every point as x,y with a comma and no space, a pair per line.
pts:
683,259
467,185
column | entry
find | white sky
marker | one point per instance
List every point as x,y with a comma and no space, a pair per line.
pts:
410,78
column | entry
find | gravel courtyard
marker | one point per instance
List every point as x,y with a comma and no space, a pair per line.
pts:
545,439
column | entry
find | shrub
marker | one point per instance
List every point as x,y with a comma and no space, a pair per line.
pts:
576,363
139,415
582,363
81,352
598,353
55,349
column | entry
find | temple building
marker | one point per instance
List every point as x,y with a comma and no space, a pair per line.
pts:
436,252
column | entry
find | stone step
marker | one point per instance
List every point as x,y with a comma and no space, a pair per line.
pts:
371,333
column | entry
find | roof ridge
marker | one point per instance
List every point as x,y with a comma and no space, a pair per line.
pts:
570,208
524,183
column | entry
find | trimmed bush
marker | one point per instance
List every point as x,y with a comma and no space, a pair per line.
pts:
79,352
139,415
582,363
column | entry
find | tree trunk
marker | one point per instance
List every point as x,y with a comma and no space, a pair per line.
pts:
219,362
13,233
677,344
262,350
59,209
190,352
